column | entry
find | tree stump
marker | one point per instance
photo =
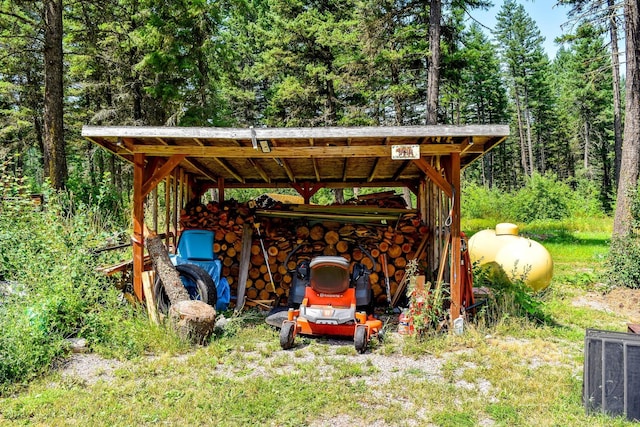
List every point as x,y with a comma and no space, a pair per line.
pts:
193,320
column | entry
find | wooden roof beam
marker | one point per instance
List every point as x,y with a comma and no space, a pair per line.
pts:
289,152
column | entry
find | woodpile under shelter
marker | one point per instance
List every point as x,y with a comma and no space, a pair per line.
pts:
188,162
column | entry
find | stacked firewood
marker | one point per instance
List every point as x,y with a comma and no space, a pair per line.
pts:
384,249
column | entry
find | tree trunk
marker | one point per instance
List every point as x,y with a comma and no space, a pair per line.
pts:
617,110
631,142
586,147
55,160
523,152
433,71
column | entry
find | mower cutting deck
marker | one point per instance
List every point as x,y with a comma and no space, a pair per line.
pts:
332,303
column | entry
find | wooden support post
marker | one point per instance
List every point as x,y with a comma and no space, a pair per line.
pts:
174,203
138,225
167,210
154,208
180,189
220,190
456,271
422,200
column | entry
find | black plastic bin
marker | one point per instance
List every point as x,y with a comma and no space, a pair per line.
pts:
612,373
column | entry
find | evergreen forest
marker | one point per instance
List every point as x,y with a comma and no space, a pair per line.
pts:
240,63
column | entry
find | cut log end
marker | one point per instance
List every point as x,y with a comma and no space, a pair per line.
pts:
193,320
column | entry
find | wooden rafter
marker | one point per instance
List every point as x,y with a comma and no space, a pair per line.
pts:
435,176
263,174
159,173
282,162
376,164
193,163
223,164
230,170
405,164
314,161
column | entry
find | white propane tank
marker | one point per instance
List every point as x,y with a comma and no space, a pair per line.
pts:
517,257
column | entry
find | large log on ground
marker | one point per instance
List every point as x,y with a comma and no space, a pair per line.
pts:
165,270
192,320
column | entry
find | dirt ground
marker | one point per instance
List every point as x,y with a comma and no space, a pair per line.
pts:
623,301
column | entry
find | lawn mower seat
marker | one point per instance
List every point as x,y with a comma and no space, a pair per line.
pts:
360,280
329,274
299,284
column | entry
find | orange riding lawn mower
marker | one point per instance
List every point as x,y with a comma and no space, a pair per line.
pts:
327,299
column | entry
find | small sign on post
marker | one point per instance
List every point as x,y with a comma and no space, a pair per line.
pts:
405,152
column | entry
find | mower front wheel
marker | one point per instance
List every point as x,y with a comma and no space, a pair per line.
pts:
287,335
361,339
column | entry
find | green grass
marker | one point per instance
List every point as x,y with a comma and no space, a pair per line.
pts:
513,373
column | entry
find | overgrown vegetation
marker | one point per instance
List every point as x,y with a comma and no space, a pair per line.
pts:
542,198
623,262
51,289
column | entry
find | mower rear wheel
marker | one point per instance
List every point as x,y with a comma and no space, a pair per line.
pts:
286,335
360,339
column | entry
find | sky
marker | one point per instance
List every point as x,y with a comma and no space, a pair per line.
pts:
548,17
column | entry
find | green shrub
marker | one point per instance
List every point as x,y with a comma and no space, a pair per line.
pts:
482,202
623,263
543,197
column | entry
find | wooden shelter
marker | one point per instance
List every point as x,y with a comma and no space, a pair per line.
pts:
426,159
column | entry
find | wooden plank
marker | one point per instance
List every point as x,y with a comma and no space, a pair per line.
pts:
245,264
138,225
147,286
360,151
295,133
326,183
329,216
356,209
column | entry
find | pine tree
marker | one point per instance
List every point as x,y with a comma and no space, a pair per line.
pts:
526,63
